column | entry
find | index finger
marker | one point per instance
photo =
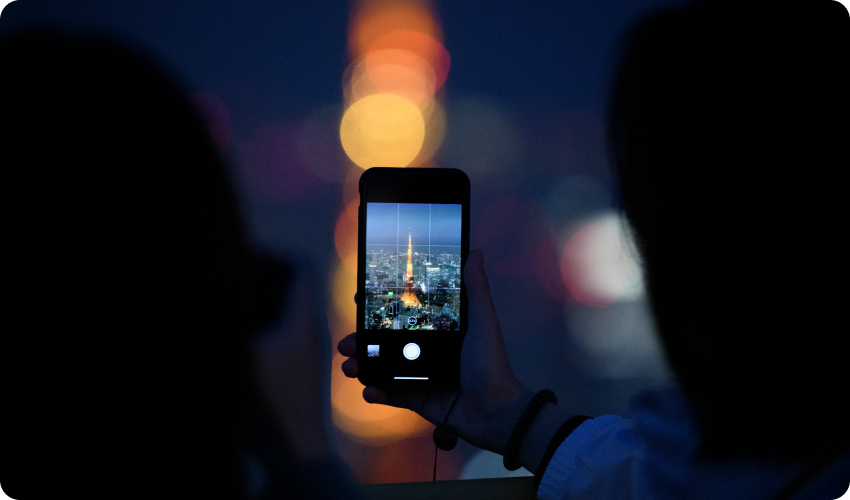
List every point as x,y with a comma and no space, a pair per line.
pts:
348,345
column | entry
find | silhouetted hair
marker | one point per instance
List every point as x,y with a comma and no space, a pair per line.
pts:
730,123
124,313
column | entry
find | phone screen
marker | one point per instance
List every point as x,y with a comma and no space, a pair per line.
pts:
413,238
413,266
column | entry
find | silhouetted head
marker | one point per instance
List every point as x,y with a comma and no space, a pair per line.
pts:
730,124
122,275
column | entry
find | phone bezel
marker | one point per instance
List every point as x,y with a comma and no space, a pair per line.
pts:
393,185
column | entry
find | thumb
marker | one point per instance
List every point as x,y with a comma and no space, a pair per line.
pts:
482,311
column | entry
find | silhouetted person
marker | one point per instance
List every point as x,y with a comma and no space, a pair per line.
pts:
129,359
731,124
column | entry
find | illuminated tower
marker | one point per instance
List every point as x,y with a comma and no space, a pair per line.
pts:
409,257
409,296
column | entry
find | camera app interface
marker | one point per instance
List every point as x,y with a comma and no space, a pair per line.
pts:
413,266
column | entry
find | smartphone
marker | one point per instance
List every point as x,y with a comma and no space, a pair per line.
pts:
413,240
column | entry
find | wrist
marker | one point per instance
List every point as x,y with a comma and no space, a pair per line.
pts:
498,425
511,459
491,423
545,425
501,423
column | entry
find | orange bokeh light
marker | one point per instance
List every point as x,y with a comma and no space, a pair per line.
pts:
343,287
398,61
382,130
396,72
421,44
374,425
392,119
400,72
375,19
351,186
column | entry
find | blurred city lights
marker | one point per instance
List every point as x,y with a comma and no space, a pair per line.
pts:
372,20
616,342
344,285
421,44
398,63
597,264
382,130
345,236
374,425
351,186
395,463
393,119
397,72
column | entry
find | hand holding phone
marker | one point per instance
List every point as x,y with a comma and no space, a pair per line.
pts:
491,397
457,343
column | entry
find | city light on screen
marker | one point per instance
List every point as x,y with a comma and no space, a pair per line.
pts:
412,266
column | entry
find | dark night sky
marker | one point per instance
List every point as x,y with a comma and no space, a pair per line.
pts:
271,59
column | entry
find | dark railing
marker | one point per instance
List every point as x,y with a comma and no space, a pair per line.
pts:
506,488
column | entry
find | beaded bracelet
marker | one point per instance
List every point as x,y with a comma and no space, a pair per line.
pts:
560,436
511,459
